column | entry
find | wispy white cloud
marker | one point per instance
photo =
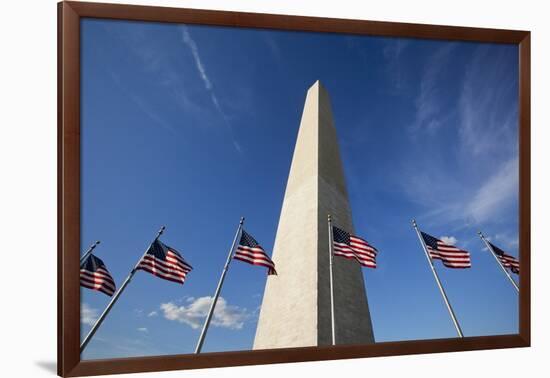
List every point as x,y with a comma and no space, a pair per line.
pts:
273,45
484,118
145,107
475,178
473,204
152,313
143,330
237,146
430,111
161,69
88,314
393,53
507,241
454,201
190,42
496,192
193,314
195,51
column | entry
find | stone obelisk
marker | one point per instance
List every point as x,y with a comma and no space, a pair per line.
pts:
296,309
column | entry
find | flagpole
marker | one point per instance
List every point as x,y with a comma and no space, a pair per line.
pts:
89,251
331,258
443,294
218,289
116,296
498,260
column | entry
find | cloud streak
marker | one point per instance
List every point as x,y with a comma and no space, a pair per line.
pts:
468,176
198,62
485,114
429,109
192,45
393,52
470,204
161,70
146,108
496,192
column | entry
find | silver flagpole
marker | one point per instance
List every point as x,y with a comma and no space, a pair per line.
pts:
331,257
443,294
116,296
498,260
89,251
218,289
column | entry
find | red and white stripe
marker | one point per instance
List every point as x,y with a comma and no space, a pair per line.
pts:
450,255
99,280
255,256
509,262
358,249
173,269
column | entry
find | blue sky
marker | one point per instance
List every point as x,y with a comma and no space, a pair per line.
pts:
192,127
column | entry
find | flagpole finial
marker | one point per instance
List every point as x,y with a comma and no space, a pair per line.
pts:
97,242
242,220
414,222
161,231
329,217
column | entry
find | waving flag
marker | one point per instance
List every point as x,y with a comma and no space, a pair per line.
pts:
251,252
94,275
506,260
353,247
165,262
451,256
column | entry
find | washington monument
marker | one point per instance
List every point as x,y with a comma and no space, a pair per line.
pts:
296,309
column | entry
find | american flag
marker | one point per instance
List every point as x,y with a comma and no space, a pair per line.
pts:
165,262
251,252
506,260
353,247
451,256
94,275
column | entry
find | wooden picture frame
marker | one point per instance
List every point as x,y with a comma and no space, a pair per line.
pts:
69,16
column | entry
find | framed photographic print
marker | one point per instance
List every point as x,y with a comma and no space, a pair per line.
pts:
239,188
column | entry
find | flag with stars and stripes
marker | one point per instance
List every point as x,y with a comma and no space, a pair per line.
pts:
451,256
94,275
506,260
165,262
251,252
353,247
